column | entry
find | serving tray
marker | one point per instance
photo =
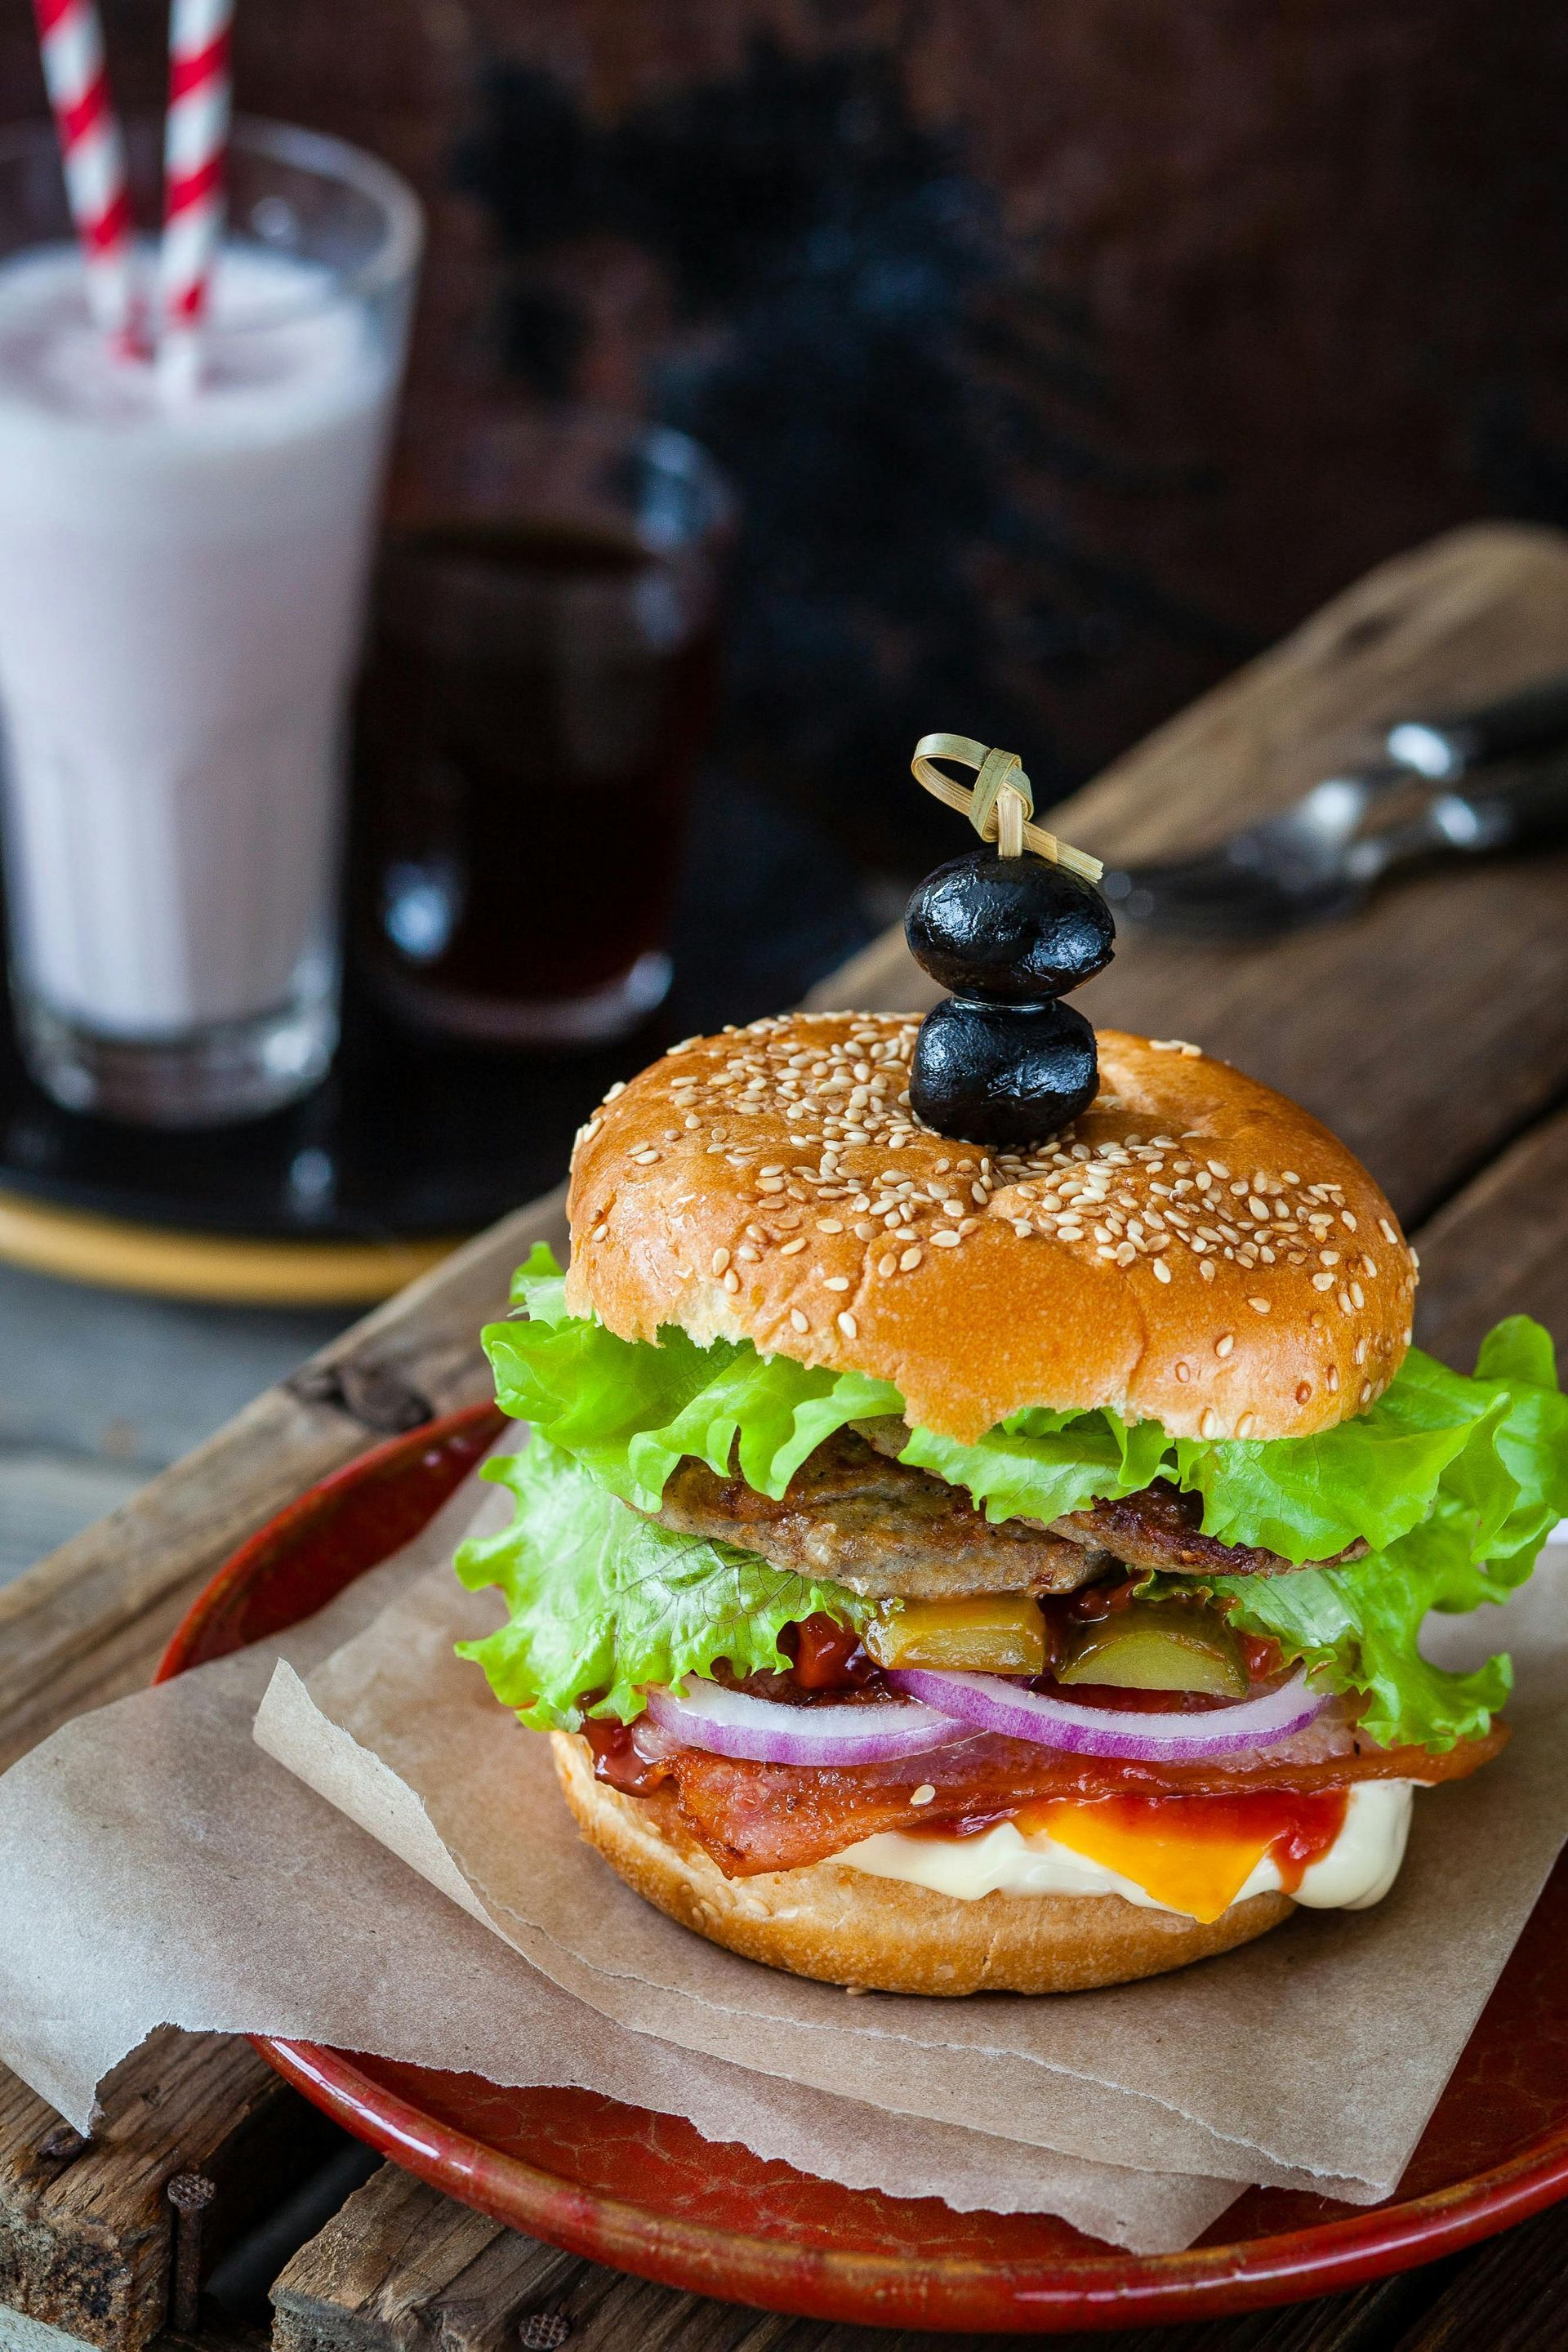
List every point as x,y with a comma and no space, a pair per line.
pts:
644,2191
410,1143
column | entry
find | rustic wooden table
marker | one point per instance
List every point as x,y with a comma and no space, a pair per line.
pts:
1432,1031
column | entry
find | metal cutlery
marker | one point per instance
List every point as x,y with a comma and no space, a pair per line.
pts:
1508,728
1319,859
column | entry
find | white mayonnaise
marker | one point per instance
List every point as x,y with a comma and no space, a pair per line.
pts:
1356,1872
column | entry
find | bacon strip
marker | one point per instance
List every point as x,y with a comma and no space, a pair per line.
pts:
757,1817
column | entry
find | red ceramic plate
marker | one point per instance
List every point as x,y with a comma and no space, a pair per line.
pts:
644,2191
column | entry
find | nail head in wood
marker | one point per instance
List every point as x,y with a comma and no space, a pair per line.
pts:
190,2194
544,2331
62,2144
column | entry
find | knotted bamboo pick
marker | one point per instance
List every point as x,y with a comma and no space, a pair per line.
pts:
999,803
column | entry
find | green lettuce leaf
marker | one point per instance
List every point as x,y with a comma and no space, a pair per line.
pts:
1358,1629
1498,1499
629,1413
1495,1445
1039,1464
603,1603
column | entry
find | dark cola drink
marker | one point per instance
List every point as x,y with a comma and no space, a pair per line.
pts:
539,687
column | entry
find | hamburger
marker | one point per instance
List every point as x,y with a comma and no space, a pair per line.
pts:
940,1567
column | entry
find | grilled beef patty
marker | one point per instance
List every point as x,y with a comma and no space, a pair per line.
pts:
857,1516
877,1526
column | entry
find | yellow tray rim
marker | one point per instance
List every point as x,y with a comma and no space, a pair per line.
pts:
220,1269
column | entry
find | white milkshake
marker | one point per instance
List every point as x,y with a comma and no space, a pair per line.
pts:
181,593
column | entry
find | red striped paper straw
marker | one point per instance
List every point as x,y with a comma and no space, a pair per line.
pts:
194,145
94,155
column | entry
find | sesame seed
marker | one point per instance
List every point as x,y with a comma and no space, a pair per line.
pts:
830,1225
1303,1390
887,1265
732,1282
1205,1267
924,1795
1332,1379
1358,1296
836,1282
619,1089
798,1320
947,1240
912,1258
1162,1271
1259,1305
1322,1282
1208,1426
1225,1343
1247,1424
1387,1230
598,1233
792,1249
1183,1370
848,1325
721,1260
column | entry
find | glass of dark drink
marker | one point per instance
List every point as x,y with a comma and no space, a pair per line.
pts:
540,683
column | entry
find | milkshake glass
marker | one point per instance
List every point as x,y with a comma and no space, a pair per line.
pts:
182,586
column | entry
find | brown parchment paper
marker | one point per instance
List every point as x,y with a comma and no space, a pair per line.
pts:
1310,2058
159,1868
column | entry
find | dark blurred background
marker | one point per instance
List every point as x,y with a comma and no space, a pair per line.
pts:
1063,354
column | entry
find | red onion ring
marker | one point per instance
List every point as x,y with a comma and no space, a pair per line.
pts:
991,1703
764,1731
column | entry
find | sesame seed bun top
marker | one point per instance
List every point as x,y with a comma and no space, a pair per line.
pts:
1195,1250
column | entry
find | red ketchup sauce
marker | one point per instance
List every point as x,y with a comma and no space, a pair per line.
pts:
1299,1827
826,1655
616,1757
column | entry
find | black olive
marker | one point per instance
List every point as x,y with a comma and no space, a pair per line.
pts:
1006,1075
1008,930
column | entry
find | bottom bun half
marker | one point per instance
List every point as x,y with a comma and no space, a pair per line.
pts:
880,1933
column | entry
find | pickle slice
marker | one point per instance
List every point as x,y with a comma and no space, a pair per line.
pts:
999,1633
1156,1645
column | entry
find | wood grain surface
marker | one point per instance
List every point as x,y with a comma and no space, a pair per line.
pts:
86,2226
1432,1030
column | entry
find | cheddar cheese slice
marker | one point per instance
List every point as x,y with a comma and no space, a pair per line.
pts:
1200,1875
